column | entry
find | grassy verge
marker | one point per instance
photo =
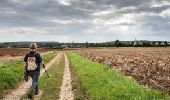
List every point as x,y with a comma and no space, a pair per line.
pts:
51,86
79,91
11,73
102,83
49,56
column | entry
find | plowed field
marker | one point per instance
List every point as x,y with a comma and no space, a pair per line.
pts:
149,66
16,51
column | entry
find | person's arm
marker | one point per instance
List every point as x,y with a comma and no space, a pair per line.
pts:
39,60
25,60
26,57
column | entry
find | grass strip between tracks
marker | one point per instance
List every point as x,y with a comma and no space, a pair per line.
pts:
50,87
98,82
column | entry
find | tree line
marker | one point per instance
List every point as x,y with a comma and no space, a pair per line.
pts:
58,45
118,43
26,44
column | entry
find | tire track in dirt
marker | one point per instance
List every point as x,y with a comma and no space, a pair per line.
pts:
22,89
66,92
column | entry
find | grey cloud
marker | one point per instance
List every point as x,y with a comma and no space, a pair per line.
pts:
53,18
157,23
36,13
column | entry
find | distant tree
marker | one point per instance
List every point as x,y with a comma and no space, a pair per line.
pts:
117,43
153,43
1,45
87,45
159,42
146,44
15,46
132,43
166,43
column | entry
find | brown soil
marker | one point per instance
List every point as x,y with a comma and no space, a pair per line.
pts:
149,66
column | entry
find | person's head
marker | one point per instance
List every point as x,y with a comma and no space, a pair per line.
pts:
33,46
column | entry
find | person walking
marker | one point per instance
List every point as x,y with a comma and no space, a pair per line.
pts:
32,61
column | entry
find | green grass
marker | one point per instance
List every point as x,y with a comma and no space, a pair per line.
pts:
98,82
79,91
51,86
49,56
11,73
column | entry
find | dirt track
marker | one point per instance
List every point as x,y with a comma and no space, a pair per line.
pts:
21,90
66,88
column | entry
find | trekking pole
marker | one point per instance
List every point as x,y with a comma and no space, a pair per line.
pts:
45,70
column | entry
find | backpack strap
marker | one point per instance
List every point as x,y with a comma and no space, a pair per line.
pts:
30,55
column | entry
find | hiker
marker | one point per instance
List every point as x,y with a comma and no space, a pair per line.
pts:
32,68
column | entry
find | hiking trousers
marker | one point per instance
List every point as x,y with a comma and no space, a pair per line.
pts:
35,77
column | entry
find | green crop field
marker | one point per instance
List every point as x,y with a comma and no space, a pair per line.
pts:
11,74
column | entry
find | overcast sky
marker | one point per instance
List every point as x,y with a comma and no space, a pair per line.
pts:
84,20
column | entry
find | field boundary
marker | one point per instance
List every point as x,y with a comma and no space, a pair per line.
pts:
78,90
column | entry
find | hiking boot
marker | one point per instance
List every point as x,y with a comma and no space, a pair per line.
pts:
26,78
36,92
30,94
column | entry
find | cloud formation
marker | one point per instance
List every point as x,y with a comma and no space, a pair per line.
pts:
84,20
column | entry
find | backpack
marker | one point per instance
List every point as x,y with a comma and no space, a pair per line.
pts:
31,63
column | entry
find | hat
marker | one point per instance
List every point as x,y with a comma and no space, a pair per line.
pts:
33,46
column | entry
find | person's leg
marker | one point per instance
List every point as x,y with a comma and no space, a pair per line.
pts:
35,82
26,73
26,76
34,86
31,89
36,90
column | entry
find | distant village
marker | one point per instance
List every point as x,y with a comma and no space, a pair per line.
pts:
117,43
140,42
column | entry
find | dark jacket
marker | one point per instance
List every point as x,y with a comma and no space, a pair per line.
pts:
37,56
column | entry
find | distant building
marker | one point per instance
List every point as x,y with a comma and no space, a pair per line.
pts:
72,44
135,42
64,46
162,43
168,43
